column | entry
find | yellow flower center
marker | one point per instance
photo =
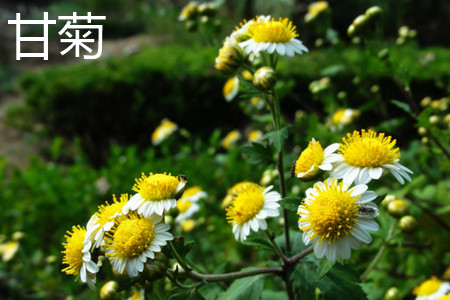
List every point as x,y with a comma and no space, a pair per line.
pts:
317,7
338,116
281,31
245,205
72,250
156,187
107,211
131,238
192,191
230,139
165,129
368,150
311,156
428,287
332,214
183,205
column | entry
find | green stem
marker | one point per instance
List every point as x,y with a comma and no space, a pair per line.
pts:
275,245
181,285
230,276
380,251
177,256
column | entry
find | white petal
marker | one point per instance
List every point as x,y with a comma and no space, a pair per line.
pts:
368,225
254,224
397,176
271,48
330,149
363,176
367,197
319,249
262,224
375,173
280,49
351,175
358,190
331,252
361,235
326,166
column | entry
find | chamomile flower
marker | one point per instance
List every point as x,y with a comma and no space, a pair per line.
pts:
231,88
315,9
133,240
163,131
234,191
314,159
343,116
103,220
187,204
336,219
8,250
241,33
254,135
230,139
365,155
271,35
249,209
432,289
78,258
156,193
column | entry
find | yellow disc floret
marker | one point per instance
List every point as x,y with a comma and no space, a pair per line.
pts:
131,237
156,187
107,211
333,212
246,205
312,156
72,250
272,31
428,287
368,149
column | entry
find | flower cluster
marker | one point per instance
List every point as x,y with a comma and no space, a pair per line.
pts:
335,216
129,230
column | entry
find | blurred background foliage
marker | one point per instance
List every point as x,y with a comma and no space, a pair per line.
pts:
91,125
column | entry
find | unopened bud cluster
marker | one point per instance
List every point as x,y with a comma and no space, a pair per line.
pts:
363,22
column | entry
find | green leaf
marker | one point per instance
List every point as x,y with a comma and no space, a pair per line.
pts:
278,137
290,203
127,283
248,288
257,241
424,118
341,282
324,267
182,246
303,278
258,154
179,294
402,105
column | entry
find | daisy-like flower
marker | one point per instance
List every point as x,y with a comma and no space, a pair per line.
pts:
187,204
234,191
230,139
163,131
9,250
344,116
78,258
335,219
240,34
133,240
156,193
271,35
103,220
250,208
313,160
231,88
432,289
315,9
365,155
254,135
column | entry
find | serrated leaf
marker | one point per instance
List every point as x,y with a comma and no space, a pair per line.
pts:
290,203
341,282
303,278
258,154
182,246
277,137
257,241
402,105
324,267
179,294
248,288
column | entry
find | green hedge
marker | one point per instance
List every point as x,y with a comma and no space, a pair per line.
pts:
123,99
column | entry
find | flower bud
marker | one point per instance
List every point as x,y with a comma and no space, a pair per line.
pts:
229,59
424,140
189,12
422,131
392,293
18,235
397,208
156,268
383,54
434,120
425,101
389,198
360,21
264,79
351,31
403,31
447,119
373,12
375,88
408,224
109,291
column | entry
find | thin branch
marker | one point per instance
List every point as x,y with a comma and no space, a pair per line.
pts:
230,276
277,248
293,260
